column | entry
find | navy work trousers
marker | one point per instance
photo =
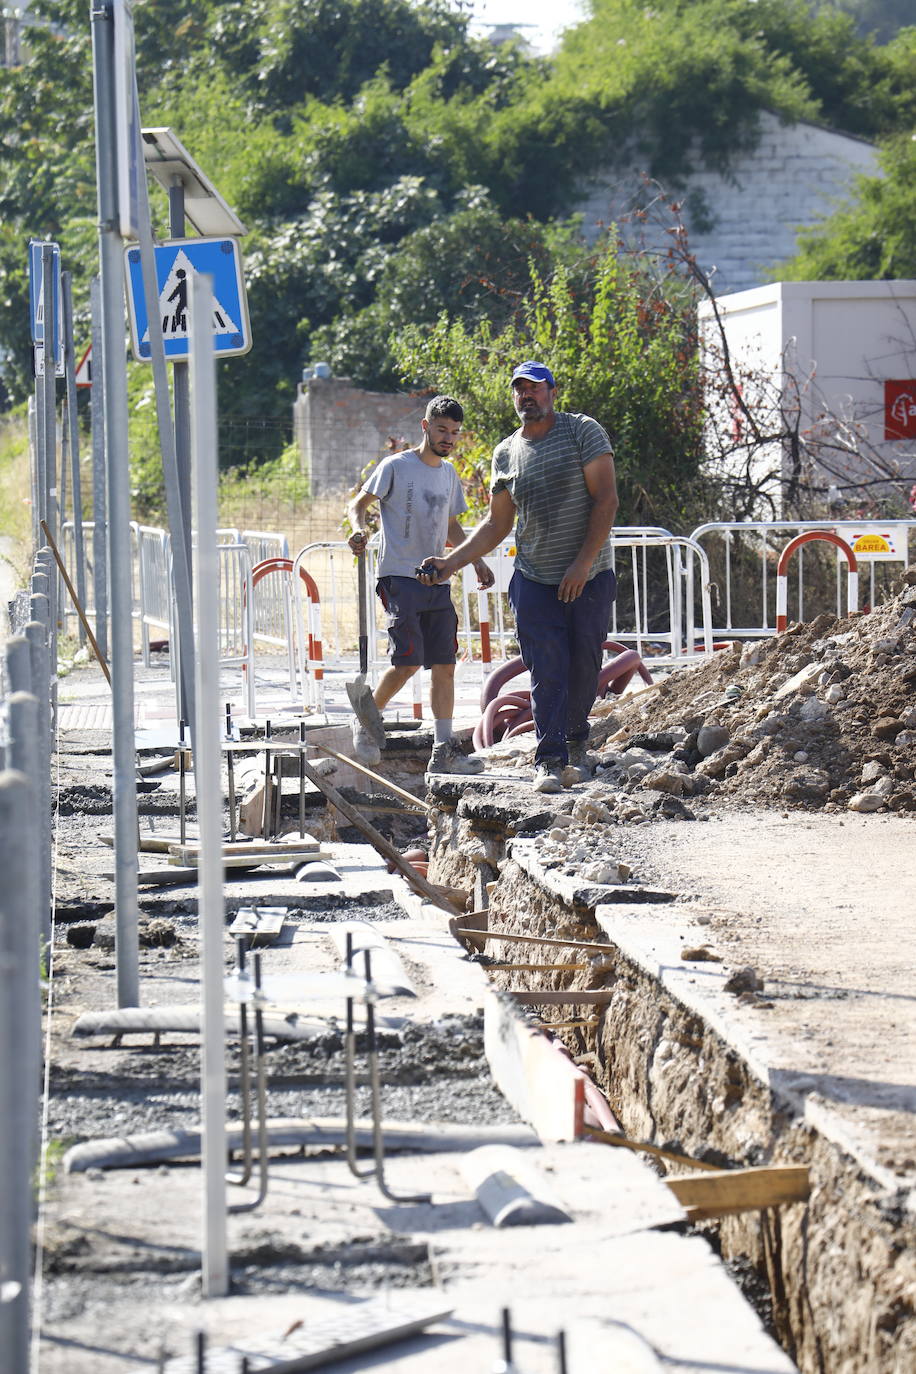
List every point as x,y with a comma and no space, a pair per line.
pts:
561,644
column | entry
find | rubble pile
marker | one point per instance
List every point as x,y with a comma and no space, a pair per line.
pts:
822,716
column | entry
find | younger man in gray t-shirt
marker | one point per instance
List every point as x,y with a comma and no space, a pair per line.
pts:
420,499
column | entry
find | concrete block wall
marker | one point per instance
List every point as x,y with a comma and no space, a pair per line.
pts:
340,429
797,174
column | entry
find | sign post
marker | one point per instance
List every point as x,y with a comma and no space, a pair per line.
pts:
104,18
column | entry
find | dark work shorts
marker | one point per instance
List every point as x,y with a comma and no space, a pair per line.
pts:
422,623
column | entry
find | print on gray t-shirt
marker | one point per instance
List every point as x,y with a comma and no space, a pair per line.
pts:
416,502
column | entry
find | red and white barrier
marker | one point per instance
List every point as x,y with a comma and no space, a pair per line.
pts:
782,589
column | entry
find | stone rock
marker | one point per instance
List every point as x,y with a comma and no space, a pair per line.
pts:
753,653
810,785
833,694
887,727
700,954
745,979
866,801
800,757
717,765
712,738
798,680
660,743
814,711
771,724
909,720
588,811
672,809
906,739
603,871
637,771
670,780
872,772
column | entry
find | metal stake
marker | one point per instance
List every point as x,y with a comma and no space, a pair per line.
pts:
241,946
261,1089
350,1076
265,809
182,785
378,1143
301,779
230,773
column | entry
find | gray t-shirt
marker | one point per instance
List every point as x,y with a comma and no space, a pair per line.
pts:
544,477
416,502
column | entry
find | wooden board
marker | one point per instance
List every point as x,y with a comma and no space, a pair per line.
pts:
262,925
294,845
286,858
546,1089
550,997
729,1191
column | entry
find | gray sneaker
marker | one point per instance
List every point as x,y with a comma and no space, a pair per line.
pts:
365,748
581,765
449,757
548,777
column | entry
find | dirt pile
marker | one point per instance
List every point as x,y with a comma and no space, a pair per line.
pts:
823,716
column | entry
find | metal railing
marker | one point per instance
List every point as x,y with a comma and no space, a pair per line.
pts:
744,557
26,723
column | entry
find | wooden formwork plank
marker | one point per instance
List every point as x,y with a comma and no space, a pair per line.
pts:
546,1089
729,1191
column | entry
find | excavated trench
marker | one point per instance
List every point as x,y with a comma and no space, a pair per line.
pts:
834,1277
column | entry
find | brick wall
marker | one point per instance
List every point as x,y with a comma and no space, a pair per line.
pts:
339,429
795,176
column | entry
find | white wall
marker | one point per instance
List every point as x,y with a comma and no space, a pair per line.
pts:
844,339
795,176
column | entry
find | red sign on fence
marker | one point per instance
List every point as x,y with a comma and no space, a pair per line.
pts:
900,410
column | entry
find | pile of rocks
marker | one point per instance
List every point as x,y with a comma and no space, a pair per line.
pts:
823,716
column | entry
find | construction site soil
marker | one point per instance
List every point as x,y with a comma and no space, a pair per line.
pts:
759,977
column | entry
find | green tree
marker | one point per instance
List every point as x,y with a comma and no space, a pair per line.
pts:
622,346
872,239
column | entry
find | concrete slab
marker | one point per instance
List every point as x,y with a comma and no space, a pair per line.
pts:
617,1263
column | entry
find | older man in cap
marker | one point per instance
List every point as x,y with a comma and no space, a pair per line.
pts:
555,473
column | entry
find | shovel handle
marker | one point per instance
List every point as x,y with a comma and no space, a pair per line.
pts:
363,614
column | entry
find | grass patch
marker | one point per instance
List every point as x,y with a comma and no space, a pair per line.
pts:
15,494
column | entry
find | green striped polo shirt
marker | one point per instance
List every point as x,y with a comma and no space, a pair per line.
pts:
545,481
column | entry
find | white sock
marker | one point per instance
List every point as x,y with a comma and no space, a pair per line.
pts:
443,730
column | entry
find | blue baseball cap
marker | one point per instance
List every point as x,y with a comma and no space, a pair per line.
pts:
534,372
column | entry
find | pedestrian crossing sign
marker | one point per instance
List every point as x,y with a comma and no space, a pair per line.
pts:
177,262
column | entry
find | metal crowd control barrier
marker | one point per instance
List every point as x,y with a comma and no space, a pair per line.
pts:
263,545
26,726
764,541
153,600
659,574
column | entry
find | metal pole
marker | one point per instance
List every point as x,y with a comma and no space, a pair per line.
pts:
208,791
118,475
179,517
34,451
36,632
49,385
99,500
74,443
180,380
18,1076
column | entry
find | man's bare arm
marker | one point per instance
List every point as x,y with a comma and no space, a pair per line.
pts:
456,540
356,514
492,530
601,480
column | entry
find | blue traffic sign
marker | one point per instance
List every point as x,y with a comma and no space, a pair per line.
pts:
36,296
177,263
